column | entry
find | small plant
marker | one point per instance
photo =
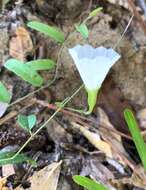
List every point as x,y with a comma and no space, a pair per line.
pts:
136,135
27,122
88,183
93,65
24,71
28,71
82,28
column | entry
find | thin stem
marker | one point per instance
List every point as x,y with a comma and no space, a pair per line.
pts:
50,83
31,93
115,46
45,123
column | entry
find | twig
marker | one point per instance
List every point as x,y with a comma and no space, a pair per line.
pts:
118,42
12,114
67,112
8,117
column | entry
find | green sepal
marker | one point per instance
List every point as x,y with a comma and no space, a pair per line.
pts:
92,97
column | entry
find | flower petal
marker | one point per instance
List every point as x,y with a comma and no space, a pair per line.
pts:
93,72
93,64
74,52
86,51
101,51
113,55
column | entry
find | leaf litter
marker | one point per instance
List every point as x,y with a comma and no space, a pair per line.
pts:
20,44
91,146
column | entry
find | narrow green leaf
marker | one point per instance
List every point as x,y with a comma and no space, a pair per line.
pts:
27,122
41,64
24,71
82,28
88,183
136,135
4,158
50,31
95,11
4,94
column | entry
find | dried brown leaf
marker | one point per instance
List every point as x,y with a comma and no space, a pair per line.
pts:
21,44
57,133
3,182
113,139
45,179
94,139
137,179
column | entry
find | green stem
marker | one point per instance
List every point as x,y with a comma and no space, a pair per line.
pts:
50,82
92,97
45,123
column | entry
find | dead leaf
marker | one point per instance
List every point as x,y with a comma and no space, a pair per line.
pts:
113,139
21,44
3,183
57,133
8,170
141,115
94,139
137,179
45,179
97,171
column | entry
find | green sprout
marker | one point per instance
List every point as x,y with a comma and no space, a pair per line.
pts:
82,28
136,135
88,183
27,122
28,71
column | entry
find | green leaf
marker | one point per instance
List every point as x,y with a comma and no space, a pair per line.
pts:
136,135
27,122
50,31
88,183
23,122
4,94
41,64
7,158
31,121
95,11
24,71
82,28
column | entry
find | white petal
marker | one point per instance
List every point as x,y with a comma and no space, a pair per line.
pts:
86,51
113,56
93,72
93,64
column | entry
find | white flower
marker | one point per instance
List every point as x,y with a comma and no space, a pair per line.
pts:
93,64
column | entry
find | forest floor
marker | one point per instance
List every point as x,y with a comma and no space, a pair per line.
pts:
69,144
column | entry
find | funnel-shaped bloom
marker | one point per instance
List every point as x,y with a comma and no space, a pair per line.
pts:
93,65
